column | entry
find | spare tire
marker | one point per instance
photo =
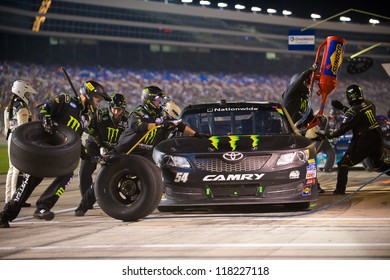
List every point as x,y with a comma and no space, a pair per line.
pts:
128,188
35,152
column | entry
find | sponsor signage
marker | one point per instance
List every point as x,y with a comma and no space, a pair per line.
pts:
301,40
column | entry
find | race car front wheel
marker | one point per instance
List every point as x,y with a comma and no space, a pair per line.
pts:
35,152
128,188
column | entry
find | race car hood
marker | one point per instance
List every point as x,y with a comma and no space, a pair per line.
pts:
233,142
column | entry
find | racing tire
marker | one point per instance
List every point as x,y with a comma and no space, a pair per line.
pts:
128,187
33,151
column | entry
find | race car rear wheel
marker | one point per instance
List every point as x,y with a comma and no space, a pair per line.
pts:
128,188
35,152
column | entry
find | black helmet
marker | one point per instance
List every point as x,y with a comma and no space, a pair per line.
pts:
93,89
118,101
354,94
152,93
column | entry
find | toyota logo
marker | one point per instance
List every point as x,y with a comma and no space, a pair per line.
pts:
232,156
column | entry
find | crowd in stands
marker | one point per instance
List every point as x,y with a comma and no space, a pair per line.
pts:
185,87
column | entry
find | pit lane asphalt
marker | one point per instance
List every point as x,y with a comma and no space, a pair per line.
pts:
357,228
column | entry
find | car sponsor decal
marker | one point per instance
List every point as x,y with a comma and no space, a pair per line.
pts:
310,181
233,141
232,177
294,174
306,191
311,171
231,109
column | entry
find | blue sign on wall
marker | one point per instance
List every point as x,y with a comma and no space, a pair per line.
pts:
301,40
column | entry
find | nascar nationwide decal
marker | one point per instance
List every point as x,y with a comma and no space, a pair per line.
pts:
233,141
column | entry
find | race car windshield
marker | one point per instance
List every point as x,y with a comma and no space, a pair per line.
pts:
237,120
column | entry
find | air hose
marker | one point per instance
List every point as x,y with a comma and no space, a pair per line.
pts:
341,200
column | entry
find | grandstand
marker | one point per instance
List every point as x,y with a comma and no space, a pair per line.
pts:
192,52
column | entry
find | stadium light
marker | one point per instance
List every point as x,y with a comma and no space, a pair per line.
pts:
255,9
239,7
373,21
271,11
315,16
222,5
186,1
204,3
345,19
286,13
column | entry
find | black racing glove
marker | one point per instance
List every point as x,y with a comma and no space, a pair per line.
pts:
337,105
84,155
321,135
8,133
168,124
48,125
201,135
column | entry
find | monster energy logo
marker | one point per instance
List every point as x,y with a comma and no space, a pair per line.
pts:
151,134
112,134
73,123
304,103
233,139
370,116
60,191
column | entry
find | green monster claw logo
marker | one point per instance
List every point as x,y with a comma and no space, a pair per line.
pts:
255,139
233,140
214,141
151,134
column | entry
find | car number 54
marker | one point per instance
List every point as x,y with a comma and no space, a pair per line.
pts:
181,177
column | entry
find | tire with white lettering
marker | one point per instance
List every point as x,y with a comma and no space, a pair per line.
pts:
35,152
128,188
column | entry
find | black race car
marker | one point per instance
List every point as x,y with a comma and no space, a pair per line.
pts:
253,155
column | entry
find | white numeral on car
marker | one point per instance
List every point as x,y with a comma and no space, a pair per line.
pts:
181,177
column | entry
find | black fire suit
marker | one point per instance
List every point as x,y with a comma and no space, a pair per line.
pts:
104,132
66,110
139,119
296,98
367,141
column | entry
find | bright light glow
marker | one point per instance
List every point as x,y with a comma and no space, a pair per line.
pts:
239,7
373,21
344,19
177,161
222,5
186,1
255,9
315,16
271,11
204,2
293,157
287,13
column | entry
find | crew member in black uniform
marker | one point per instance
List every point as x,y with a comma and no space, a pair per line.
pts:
144,118
367,139
73,112
104,131
296,98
